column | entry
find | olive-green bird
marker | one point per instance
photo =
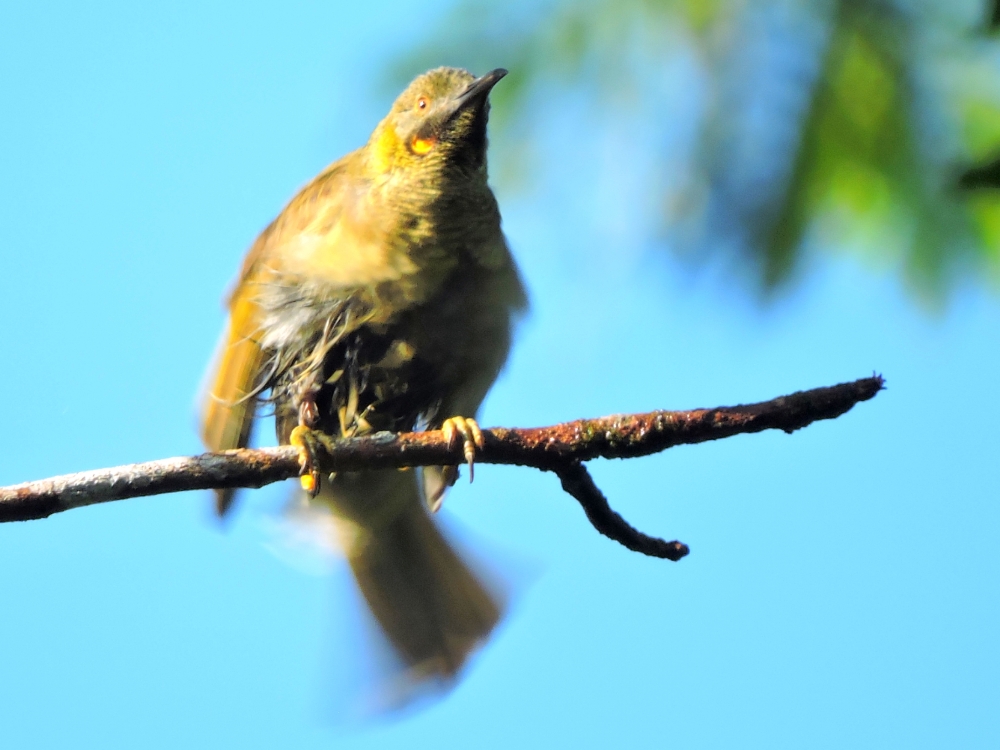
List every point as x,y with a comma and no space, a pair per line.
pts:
382,298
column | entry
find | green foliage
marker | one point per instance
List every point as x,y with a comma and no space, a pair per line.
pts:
888,145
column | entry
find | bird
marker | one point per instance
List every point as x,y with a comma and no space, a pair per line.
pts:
383,297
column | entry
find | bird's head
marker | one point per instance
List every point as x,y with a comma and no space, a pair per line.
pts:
437,123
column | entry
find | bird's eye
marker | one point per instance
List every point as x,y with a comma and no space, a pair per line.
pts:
422,102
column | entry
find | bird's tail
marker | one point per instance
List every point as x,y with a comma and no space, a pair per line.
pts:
431,606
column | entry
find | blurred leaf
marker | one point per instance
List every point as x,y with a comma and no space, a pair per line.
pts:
859,152
983,176
982,125
826,124
587,42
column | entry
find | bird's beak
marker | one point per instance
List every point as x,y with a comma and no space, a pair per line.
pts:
477,91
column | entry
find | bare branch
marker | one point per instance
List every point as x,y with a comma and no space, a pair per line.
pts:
576,480
560,449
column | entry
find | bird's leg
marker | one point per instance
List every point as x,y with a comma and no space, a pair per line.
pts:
307,440
472,437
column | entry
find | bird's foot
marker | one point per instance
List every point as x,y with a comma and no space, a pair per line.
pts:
472,437
308,441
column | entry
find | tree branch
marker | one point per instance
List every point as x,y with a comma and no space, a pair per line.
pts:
560,449
576,480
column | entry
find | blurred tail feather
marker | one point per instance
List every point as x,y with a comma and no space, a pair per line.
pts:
430,605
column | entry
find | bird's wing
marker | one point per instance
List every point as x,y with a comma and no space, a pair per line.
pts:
327,234
228,406
338,232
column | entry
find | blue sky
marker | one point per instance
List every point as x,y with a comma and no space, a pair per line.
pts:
842,585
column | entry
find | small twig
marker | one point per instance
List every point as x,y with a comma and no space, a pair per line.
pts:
576,480
560,449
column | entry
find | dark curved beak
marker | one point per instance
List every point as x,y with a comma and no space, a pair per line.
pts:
478,90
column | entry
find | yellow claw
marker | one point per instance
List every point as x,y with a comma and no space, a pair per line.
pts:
310,484
472,438
305,440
